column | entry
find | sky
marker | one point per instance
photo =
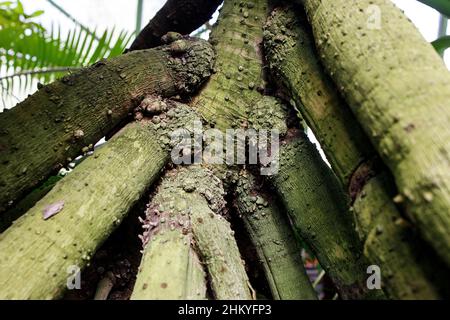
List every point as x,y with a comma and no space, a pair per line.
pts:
121,14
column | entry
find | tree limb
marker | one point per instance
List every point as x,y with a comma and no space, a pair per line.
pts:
297,69
182,16
400,98
66,227
67,117
275,242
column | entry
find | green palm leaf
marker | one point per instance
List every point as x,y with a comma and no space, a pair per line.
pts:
443,6
441,44
29,53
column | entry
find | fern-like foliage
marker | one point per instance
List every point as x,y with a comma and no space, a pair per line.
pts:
30,53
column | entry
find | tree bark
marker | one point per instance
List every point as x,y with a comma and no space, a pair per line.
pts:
186,214
229,99
389,241
170,270
318,210
275,242
67,226
67,117
238,81
181,16
397,86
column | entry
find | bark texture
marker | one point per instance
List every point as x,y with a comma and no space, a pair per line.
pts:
67,226
67,117
398,88
318,209
275,242
181,16
315,202
389,240
185,217
238,80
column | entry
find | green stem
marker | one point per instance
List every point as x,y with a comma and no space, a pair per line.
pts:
275,242
88,205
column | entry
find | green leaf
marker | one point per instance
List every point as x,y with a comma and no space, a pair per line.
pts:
30,55
443,6
441,44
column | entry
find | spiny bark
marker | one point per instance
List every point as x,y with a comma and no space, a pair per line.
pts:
67,117
389,240
318,210
170,267
275,242
398,88
227,101
185,215
238,80
292,60
315,202
182,16
88,204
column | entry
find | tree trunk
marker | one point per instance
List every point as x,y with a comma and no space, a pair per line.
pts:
389,241
275,242
182,16
170,270
318,210
185,215
238,82
87,205
228,101
397,86
68,116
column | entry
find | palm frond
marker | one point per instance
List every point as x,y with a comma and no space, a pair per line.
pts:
443,6
30,54
441,44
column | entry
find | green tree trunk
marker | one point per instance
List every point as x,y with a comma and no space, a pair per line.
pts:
389,241
65,118
185,217
277,247
398,88
228,101
238,81
87,206
318,210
